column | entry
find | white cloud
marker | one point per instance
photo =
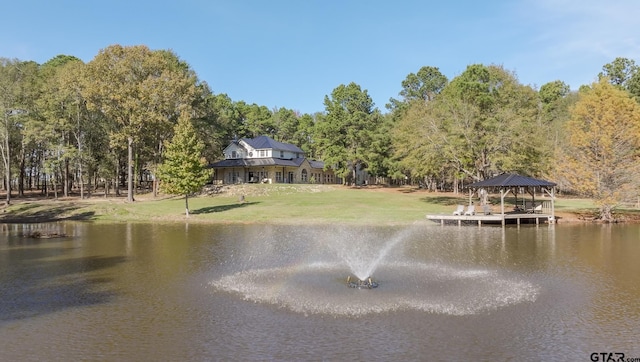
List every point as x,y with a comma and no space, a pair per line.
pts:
609,29
571,40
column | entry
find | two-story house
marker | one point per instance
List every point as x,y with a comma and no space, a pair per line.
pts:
262,159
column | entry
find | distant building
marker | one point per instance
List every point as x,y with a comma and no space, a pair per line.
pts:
263,160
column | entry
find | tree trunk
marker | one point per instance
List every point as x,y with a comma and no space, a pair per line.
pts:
186,204
7,158
355,168
155,187
22,175
130,169
65,179
79,141
155,178
30,178
55,185
81,181
116,184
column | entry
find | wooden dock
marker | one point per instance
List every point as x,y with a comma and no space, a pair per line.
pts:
502,219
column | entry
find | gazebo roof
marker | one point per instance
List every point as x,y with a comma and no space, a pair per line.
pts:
511,180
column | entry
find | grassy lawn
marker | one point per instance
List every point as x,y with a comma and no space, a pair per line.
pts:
264,204
334,204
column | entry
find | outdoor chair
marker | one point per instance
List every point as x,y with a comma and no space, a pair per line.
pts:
486,209
459,210
471,210
535,210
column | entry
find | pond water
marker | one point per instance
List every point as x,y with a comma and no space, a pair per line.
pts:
140,292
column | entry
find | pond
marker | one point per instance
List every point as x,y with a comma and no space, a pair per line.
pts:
262,292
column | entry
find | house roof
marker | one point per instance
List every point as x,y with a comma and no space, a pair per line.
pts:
262,142
316,164
248,162
512,180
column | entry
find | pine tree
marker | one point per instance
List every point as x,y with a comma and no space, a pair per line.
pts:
184,169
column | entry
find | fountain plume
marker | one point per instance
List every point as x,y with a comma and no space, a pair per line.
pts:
305,271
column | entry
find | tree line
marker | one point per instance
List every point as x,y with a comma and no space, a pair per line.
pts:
108,122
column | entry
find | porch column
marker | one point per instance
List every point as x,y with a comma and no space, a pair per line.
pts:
553,200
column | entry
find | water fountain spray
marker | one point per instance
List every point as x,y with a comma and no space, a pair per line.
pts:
307,277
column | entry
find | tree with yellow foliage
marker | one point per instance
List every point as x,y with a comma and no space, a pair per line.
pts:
601,158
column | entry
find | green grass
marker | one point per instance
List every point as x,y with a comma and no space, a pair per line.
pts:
265,204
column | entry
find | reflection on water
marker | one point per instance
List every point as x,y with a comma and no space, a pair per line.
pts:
255,292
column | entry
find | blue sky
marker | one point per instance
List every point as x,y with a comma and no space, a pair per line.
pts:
291,53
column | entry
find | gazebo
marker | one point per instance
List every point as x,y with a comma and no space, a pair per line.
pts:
508,182
504,184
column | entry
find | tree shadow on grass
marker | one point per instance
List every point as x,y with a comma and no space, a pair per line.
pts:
410,190
37,213
222,208
444,200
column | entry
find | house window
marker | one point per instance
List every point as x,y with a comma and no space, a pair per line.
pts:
303,176
261,153
234,154
233,177
250,154
328,179
278,176
281,154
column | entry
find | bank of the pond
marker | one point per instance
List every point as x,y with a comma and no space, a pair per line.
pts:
270,204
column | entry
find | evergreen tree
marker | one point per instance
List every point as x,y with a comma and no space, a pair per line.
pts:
184,169
623,73
344,134
424,86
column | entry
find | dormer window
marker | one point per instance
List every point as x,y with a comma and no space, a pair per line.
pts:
281,154
234,154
